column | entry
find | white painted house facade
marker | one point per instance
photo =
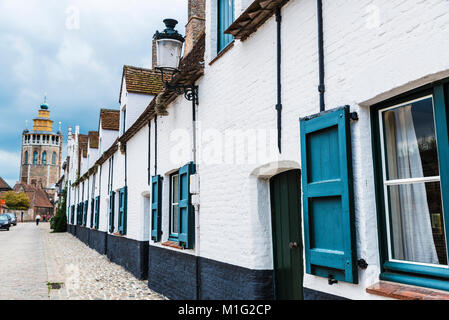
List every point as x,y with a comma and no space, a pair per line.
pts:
289,192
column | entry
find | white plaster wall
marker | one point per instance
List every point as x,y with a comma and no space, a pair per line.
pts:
104,197
138,188
107,138
136,104
174,151
365,62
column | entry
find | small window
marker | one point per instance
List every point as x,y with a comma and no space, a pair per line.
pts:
35,154
174,205
53,158
225,19
26,157
44,158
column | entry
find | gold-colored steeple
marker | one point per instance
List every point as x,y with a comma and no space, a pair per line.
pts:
43,122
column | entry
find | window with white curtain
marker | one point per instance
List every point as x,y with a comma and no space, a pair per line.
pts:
411,183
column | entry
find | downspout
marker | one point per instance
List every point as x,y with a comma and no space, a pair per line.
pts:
155,145
321,87
149,152
279,83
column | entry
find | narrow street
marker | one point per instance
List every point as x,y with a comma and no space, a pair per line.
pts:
40,265
23,262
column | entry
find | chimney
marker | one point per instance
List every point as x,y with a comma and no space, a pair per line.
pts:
196,23
154,50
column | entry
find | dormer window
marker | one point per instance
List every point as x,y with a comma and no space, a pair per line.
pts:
225,19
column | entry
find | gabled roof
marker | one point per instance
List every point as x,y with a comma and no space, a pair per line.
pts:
93,139
3,185
110,119
38,197
141,80
191,69
82,140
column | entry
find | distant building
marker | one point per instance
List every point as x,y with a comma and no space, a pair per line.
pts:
39,203
41,153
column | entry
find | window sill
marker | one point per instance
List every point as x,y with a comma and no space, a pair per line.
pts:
405,292
222,52
118,234
172,244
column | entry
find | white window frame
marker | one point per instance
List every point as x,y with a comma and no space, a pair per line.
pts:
388,183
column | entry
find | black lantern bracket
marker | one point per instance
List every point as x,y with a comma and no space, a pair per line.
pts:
190,92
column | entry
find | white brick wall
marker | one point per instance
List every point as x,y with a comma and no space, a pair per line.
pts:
365,62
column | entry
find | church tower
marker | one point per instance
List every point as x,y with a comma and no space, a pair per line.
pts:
41,152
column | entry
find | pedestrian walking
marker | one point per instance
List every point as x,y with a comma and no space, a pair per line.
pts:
38,218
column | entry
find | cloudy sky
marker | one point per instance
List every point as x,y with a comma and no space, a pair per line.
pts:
73,51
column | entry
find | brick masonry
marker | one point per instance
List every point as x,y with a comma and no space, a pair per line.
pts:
183,276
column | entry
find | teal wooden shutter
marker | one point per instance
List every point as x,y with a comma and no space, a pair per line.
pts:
92,213
122,210
79,211
111,211
97,212
156,206
73,214
186,211
328,196
225,19
85,207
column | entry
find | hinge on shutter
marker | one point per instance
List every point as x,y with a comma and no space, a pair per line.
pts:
331,280
362,264
354,116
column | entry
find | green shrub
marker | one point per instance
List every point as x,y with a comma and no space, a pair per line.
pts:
59,222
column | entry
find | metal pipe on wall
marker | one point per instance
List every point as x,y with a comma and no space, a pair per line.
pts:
321,87
279,79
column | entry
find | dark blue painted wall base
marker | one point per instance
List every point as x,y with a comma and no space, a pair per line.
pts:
310,294
130,254
182,276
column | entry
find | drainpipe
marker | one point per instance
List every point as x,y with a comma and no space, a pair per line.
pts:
155,145
279,83
149,152
321,87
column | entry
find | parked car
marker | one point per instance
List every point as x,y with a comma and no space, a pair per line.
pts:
13,218
5,222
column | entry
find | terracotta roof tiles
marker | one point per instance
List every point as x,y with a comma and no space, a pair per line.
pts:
141,80
110,119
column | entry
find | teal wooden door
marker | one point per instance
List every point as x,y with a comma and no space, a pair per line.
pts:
287,240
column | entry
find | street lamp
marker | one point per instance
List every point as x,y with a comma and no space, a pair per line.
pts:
168,49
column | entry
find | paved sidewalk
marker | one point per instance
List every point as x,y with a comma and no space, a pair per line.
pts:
23,264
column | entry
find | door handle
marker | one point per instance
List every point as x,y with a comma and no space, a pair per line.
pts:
293,245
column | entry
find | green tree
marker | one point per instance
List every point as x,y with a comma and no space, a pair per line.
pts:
59,222
16,201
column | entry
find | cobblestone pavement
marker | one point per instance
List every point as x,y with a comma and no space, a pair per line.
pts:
23,263
58,266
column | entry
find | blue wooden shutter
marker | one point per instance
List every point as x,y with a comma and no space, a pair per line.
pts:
122,210
73,214
156,205
97,212
92,213
111,211
86,207
225,19
328,196
186,211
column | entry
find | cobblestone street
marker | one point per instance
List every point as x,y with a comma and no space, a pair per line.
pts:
43,265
